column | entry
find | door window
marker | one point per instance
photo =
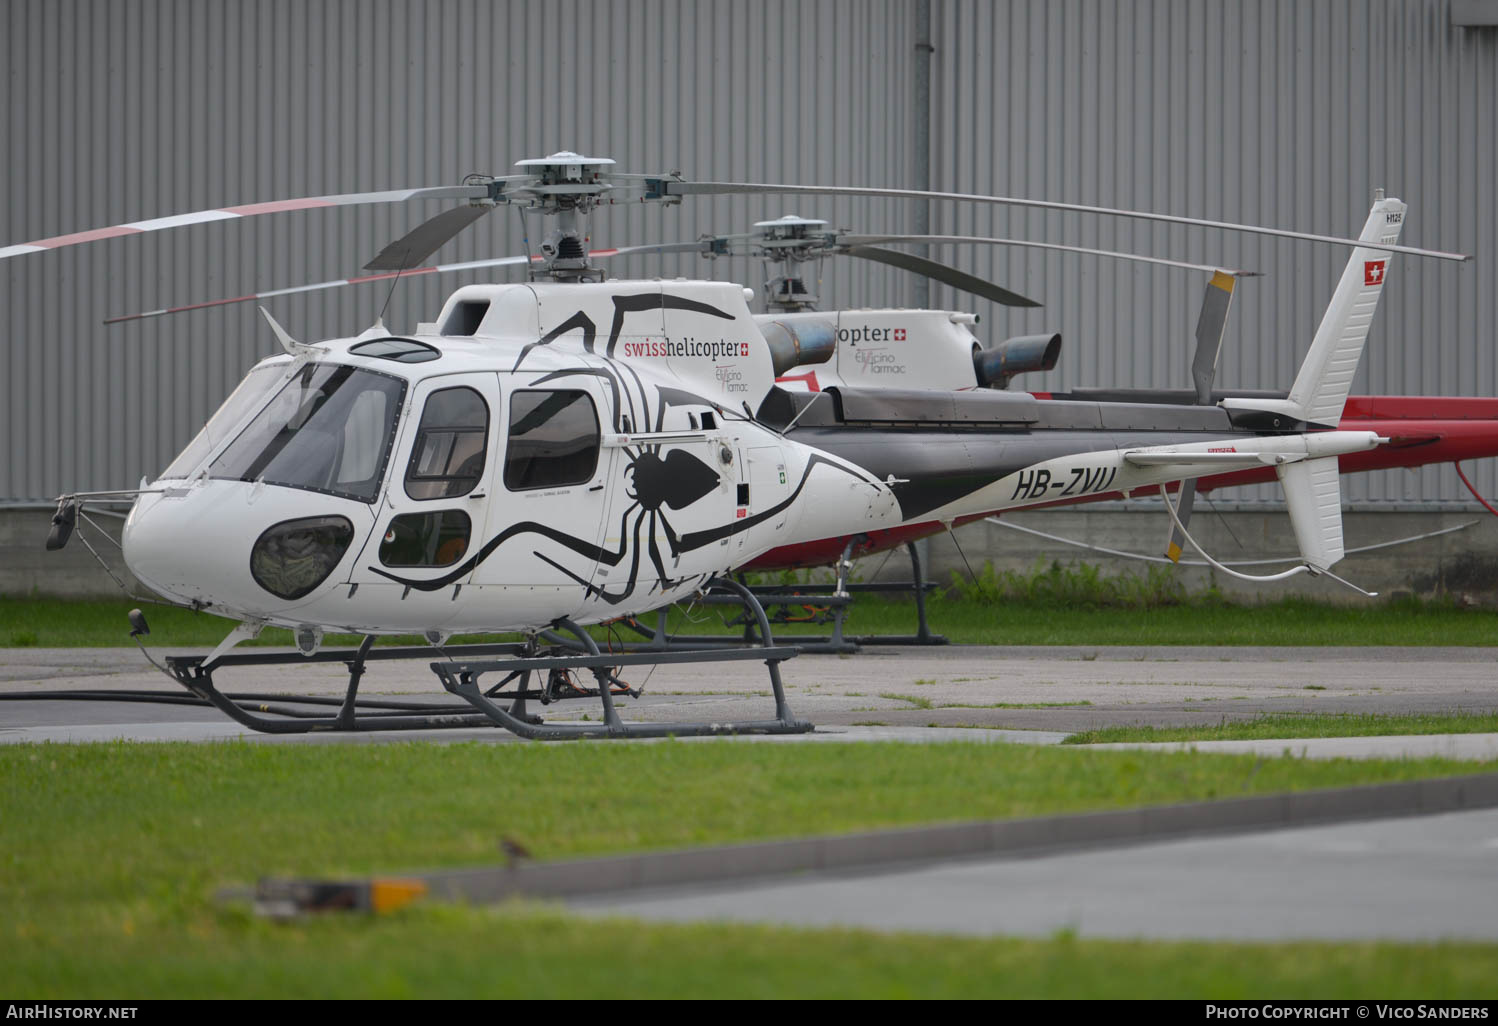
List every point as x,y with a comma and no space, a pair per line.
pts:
554,439
447,458
438,538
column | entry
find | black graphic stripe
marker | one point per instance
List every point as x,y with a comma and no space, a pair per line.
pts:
577,320
677,543
581,547
651,301
597,372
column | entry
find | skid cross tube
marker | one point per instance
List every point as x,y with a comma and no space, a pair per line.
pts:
462,679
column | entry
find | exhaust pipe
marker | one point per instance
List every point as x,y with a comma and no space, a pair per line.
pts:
997,365
793,343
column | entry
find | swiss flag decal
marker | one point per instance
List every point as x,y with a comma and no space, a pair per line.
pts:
741,514
1373,272
899,334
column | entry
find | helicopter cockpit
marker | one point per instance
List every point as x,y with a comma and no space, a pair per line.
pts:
329,429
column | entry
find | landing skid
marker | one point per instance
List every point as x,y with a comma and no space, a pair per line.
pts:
464,665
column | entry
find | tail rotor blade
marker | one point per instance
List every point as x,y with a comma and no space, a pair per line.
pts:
1183,513
1210,327
940,272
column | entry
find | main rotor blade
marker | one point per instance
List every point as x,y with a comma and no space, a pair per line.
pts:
675,188
864,240
413,248
322,285
467,265
700,246
940,272
248,210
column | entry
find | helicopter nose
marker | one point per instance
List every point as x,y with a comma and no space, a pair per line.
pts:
162,548
226,545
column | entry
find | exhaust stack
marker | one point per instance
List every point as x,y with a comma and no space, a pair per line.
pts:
997,365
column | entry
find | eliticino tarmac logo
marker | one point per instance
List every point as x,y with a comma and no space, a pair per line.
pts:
731,378
878,361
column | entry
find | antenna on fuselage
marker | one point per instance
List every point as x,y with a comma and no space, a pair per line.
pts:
380,320
291,345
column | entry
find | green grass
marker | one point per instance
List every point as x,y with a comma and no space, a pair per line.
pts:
1291,725
111,854
524,951
916,702
50,623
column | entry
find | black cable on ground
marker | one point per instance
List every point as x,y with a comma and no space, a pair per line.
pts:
391,708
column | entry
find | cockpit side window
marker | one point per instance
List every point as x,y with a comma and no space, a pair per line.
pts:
554,439
330,429
447,458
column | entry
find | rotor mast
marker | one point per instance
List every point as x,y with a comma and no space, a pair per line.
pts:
566,186
793,242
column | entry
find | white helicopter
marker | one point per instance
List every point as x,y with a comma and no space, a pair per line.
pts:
557,453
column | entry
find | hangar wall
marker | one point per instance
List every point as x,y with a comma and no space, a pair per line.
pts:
1278,112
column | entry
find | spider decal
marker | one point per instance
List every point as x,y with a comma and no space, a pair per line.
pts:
677,481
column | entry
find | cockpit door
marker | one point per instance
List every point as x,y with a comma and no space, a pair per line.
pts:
429,525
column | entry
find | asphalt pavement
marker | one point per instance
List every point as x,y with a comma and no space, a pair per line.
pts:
1411,879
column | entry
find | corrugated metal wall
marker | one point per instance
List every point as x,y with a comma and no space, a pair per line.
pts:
1285,113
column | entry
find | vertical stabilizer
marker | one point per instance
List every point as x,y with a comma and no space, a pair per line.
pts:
1326,375
1321,387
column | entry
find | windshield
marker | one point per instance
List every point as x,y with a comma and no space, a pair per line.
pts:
251,392
329,430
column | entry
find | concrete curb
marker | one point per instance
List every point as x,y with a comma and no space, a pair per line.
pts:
1015,838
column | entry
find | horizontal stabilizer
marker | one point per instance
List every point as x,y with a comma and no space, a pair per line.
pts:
1218,461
